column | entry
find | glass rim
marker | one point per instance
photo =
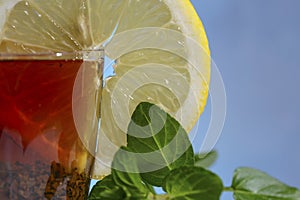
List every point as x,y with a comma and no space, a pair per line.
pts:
59,55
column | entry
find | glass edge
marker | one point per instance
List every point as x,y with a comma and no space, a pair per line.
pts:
75,55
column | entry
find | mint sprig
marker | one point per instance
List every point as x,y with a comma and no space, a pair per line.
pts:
159,153
206,159
252,184
165,148
193,183
107,189
124,173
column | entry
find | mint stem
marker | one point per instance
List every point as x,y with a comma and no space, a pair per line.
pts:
228,189
158,197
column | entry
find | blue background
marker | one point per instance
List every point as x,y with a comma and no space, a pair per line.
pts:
255,45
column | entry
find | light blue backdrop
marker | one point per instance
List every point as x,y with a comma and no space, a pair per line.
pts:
255,44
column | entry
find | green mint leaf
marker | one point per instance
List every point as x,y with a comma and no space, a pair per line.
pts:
159,141
106,189
150,188
193,183
251,184
124,173
206,159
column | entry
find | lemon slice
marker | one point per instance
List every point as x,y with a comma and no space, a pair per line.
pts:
159,47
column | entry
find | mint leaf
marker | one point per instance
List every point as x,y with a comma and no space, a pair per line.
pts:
159,141
251,184
124,173
106,189
150,188
206,159
193,183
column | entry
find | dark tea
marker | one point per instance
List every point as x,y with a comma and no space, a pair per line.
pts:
41,154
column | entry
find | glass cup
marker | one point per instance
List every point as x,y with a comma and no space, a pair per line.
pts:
49,121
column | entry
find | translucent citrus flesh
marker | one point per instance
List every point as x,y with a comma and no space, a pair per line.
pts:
68,25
